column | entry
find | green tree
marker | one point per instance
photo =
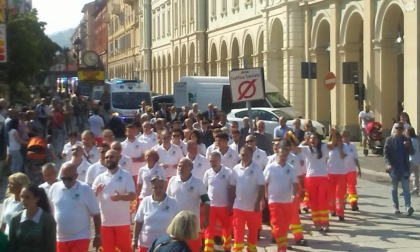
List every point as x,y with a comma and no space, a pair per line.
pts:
30,51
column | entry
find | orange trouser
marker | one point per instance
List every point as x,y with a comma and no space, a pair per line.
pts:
351,187
117,237
280,214
218,214
317,188
295,224
336,193
253,222
81,245
195,245
305,200
143,249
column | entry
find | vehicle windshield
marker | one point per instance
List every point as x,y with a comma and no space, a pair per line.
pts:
280,113
129,100
277,100
97,95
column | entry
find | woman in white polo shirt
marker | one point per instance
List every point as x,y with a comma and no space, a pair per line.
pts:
154,215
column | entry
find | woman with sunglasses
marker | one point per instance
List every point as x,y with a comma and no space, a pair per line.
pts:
154,215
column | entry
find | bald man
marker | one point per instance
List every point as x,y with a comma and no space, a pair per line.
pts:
73,202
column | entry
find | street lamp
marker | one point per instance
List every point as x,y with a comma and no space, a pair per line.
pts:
399,42
76,48
328,53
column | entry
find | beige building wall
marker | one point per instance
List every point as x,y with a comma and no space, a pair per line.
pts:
123,39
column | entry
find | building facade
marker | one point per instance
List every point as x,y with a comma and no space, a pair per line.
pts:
100,44
173,38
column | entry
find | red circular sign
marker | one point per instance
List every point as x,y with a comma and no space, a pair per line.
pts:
330,81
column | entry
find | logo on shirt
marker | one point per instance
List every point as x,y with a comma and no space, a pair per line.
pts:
92,156
258,156
124,163
288,171
166,208
199,164
76,196
251,172
119,179
155,172
154,140
230,155
292,162
173,153
191,188
223,176
136,146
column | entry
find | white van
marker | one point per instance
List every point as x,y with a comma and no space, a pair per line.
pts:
216,90
125,96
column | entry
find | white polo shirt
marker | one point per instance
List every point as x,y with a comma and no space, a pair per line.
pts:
230,158
46,187
335,162
133,149
149,140
96,125
10,208
210,149
114,213
144,177
187,193
217,185
127,164
247,180
171,157
294,161
200,166
94,171
234,146
349,161
92,155
183,147
280,180
81,170
72,210
260,158
315,167
202,149
156,217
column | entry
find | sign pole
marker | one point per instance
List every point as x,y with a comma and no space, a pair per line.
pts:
251,125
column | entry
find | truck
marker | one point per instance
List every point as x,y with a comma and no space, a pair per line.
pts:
216,90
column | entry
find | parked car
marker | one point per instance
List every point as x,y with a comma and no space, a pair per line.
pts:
159,99
271,116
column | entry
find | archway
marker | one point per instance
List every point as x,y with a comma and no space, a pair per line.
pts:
154,86
260,52
159,76
170,83
163,72
213,59
392,66
191,60
183,64
322,109
248,52
275,75
223,61
235,54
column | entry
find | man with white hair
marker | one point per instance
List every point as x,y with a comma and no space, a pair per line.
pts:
200,163
259,156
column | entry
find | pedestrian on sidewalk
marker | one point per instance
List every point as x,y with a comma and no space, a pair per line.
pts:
414,159
396,153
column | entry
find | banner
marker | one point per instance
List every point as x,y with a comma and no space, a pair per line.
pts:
3,44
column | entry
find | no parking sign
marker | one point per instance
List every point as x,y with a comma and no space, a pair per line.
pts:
247,84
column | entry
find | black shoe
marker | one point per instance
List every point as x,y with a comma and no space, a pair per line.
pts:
218,240
397,210
325,229
305,209
333,214
410,211
301,242
355,207
273,240
341,218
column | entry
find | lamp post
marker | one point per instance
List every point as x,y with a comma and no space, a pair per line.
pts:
66,51
76,47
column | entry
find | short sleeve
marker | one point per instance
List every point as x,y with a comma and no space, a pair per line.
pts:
89,175
161,172
129,185
201,189
180,155
96,182
140,212
205,178
168,188
355,155
305,150
266,174
261,180
92,202
140,176
232,180
293,176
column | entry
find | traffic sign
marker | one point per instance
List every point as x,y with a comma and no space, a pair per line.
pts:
330,81
247,84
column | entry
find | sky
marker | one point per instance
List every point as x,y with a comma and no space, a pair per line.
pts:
59,14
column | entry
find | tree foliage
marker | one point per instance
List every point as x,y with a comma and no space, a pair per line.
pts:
30,51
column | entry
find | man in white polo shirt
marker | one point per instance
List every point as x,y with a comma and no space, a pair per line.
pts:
230,157
259,156
115,189
216,180
123,161
281,190
149,137
73,203
133,149
189,192
246,192
78,160
91,152
98,167
169,154
200,163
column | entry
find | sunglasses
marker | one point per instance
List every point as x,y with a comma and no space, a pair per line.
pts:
249,141
176,136
399,128
66,178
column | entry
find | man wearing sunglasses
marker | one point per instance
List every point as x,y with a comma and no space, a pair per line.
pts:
396,153
73,204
